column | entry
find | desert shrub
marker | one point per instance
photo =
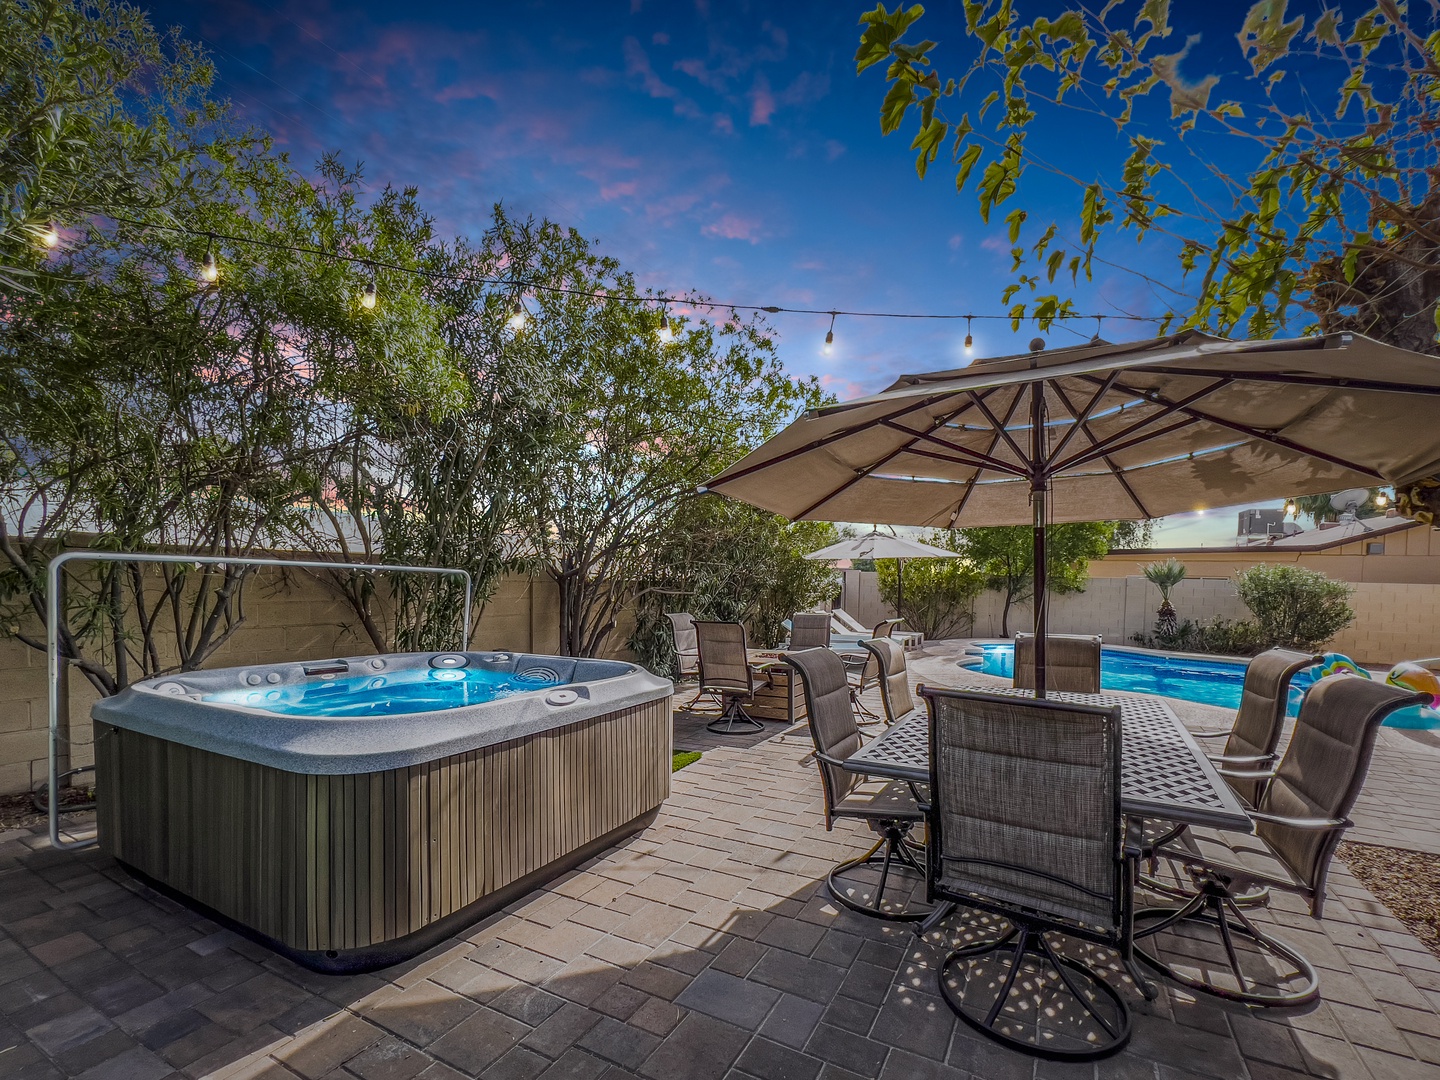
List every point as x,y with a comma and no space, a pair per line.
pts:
1224,637
1296,608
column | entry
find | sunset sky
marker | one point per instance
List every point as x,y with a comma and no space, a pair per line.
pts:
724,147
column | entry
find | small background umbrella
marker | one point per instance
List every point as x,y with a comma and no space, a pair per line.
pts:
878,545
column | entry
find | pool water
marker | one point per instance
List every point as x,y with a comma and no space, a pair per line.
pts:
393,694
1209,682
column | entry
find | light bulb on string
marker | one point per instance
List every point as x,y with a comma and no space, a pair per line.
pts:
665,333
969,337
49,236
210,269
830,335
1290,509
367,298
1097,339
1382,500
518,316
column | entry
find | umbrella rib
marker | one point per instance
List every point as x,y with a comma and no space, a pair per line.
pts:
1081,418
998,426
868,469
1121,439
1254,433
835,436
1109,464
1343,382
975,478
982,459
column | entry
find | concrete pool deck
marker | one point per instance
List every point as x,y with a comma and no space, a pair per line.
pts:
702,948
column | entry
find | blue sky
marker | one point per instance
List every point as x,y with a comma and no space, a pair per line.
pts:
724,147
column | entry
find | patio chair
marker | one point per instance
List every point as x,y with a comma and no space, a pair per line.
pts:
848,623
687,650
1299,819
726,672
1025,823
889,807
810,630
1072,662
888,657
890,628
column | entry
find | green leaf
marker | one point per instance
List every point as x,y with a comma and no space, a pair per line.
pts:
1015,219
967,162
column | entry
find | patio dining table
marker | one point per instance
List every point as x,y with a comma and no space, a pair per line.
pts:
1163,772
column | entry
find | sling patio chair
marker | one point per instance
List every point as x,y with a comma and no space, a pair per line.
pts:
1072,662
810,630
888,657
1249,745
687,651
1025,824
725,671
1299,819
885,881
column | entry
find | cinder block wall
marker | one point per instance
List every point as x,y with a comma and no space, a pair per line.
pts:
299,617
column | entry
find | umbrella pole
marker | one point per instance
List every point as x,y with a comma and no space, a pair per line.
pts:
1037,502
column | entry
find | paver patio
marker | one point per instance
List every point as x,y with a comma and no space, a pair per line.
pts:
703,947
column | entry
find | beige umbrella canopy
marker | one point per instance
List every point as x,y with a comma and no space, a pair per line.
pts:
878,545
1104,432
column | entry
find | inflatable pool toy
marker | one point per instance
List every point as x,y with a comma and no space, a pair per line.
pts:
1413,675
1334,663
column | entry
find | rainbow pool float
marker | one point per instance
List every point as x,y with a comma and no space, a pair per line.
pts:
1419,675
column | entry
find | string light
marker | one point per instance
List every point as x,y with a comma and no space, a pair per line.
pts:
830,335
1290,509
210,269
665,333
367,298
1382,500
50,236
969,337
518,315
1097,339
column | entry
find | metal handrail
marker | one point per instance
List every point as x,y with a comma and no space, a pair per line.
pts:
53,607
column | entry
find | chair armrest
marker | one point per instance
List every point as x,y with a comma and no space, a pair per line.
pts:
1210,734
1311,824
1254,759
1248,774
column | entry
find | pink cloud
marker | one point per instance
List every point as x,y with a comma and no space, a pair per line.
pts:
995,243
842,388
660,38
954,242
621,190
467,90
833,149
762,101
734,227
723,124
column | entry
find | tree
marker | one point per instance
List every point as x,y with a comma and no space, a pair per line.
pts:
1165,576
1296,608
1004,556
93,120
732,562
1334,213
939,598
636,422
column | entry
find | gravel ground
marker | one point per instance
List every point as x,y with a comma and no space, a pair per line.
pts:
18,812
1407,882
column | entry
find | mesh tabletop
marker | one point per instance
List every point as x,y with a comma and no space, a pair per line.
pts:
1163,772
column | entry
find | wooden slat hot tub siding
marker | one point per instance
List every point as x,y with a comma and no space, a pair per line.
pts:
343,862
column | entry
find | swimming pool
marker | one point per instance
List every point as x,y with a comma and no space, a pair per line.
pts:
1207,681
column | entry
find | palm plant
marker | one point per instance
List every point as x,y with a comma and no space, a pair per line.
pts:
1165,576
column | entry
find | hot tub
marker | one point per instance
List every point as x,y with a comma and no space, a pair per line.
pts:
350,813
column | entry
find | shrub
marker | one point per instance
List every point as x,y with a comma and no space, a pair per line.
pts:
939,598
1223,637
1296,608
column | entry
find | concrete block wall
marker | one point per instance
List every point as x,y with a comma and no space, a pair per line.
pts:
296,617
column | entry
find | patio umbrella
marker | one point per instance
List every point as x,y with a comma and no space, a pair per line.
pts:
1107,431
878,545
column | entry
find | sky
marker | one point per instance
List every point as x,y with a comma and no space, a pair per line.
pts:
724,147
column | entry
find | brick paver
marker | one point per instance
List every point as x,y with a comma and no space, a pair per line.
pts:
704,947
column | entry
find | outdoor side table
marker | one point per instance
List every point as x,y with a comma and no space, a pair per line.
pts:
1163,772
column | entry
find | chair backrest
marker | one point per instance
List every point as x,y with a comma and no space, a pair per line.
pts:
810,630
723,664
1026,807
1324,768
846,621
1072,662
687,647
1263,699
886,628
889,659
832,721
